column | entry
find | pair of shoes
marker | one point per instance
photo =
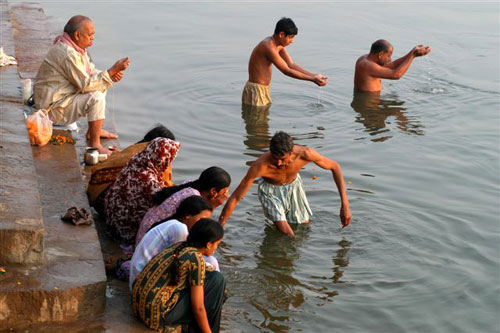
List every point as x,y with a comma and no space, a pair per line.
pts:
77,216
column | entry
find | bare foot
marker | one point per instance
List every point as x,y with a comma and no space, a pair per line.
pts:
105,135
103,150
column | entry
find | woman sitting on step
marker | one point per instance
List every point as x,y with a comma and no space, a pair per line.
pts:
176,287
129,197
103,174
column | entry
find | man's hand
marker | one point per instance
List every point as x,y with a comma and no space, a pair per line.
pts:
117,77
421,50
119,66
320,80
345,216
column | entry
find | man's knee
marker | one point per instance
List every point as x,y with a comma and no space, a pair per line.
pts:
96,106
97,96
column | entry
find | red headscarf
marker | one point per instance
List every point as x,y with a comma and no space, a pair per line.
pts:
129,196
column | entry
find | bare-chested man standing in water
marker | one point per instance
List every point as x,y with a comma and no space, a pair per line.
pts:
377,65
272,50
281,192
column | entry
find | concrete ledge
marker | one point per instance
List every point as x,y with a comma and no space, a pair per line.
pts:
71,284
21,228
29,27
43,294
10,86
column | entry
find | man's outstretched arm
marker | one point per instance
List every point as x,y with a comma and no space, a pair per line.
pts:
382,72
328,164
238,194
293,65
417,51
278,61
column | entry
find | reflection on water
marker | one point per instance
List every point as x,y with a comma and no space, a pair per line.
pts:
340,261
257,136
281,291
256,120
374,110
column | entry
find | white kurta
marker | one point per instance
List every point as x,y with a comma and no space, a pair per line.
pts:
63,85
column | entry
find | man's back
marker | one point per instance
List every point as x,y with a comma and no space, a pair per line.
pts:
362,80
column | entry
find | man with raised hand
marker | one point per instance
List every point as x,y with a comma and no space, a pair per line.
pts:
377,65
69,85
272,50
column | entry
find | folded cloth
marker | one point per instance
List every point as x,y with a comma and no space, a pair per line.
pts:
5,59
77,216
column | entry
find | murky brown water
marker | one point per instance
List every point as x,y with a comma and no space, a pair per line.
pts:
422,253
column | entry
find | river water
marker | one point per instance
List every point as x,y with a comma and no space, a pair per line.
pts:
422,159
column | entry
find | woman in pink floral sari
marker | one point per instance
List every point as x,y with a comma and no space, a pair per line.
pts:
213,185
129,197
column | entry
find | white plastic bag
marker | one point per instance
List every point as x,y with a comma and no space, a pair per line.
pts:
39,127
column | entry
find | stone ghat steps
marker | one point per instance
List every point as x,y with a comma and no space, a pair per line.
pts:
21,230
21,227
71,283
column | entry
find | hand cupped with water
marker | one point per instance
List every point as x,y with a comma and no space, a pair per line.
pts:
320,80
421,50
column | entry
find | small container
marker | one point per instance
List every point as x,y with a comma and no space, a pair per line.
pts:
103,157
91,156
27,89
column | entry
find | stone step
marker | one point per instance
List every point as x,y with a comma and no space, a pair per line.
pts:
71,284
31,35
21,227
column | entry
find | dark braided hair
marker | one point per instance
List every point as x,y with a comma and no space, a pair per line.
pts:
204,231
209,178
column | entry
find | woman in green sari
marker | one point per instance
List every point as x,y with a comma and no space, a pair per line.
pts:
176,287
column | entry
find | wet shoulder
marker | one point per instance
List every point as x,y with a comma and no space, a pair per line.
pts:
263,162
362,61
304,153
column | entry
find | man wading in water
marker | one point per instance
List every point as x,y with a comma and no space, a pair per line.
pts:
281,192
377,65
272,50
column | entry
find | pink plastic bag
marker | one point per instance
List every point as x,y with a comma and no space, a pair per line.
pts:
39,127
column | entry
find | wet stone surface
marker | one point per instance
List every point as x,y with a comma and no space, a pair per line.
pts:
21,230
29,27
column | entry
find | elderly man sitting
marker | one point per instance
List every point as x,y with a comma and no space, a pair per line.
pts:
69,85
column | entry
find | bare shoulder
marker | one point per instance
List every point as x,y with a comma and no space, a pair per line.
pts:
265,45
362,61
306,153
259,165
